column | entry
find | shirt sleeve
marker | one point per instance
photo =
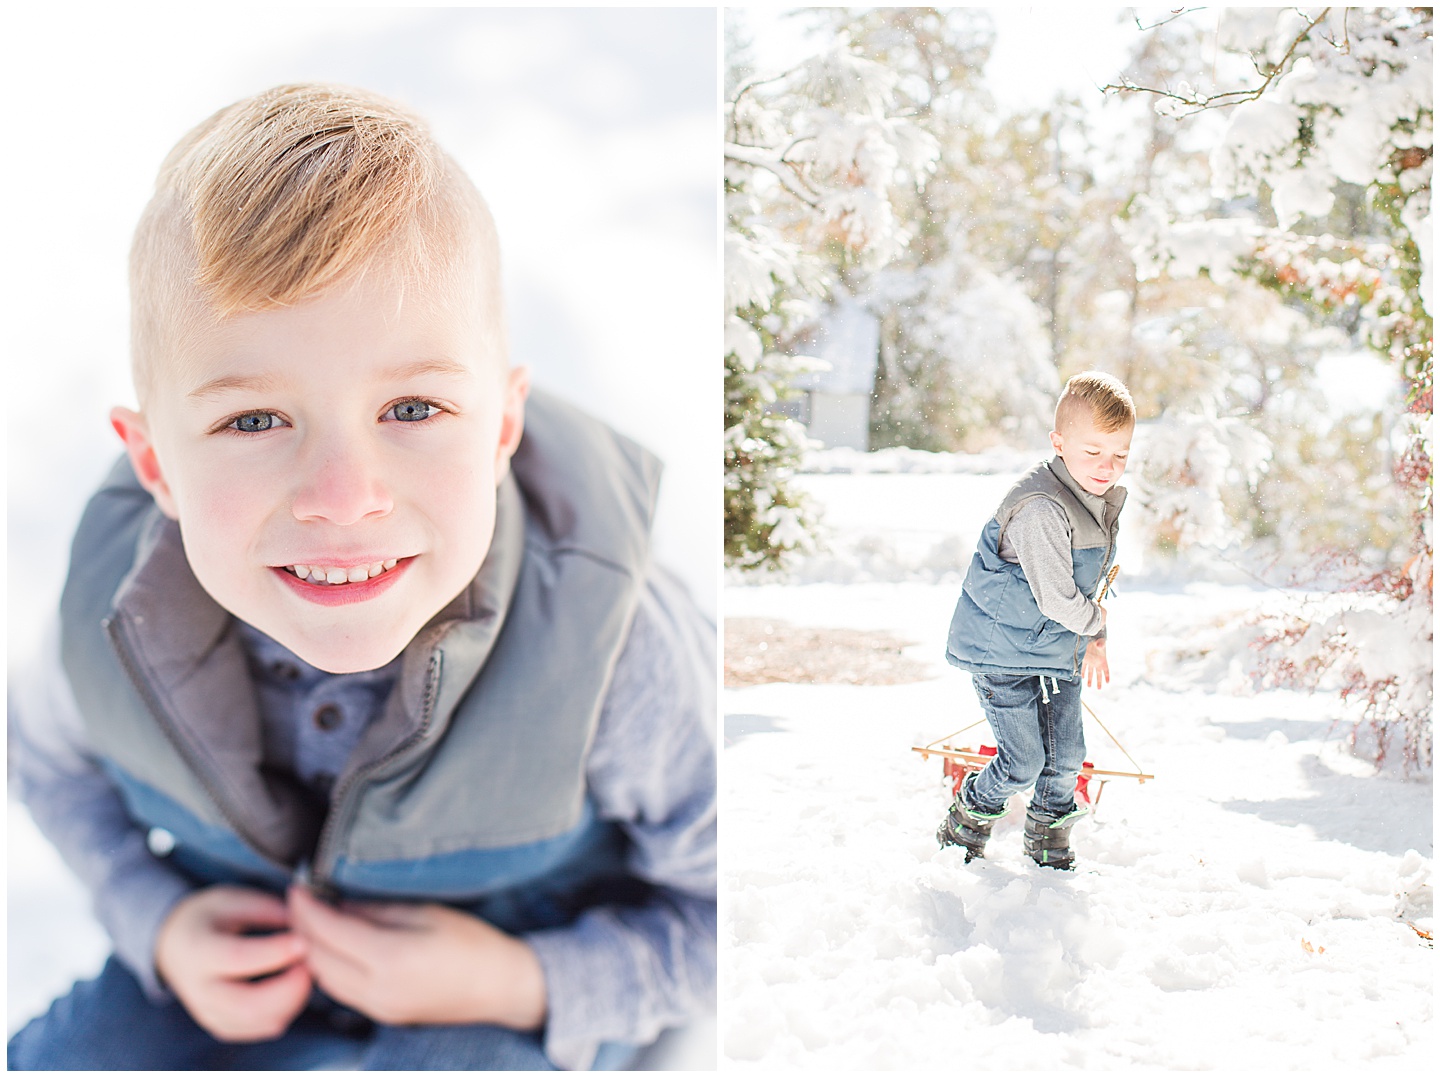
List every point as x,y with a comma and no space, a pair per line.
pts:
625,973
74,804
1039,532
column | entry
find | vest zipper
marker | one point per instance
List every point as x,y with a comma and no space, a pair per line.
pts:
123,650
1104,568
343,798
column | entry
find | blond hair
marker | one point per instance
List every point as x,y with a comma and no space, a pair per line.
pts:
1102,395
291,192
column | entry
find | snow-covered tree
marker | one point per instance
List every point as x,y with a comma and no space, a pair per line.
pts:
1333,101
812,156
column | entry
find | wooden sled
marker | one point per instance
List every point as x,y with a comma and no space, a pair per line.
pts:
959,762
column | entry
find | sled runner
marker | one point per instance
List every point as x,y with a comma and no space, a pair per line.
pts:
959,762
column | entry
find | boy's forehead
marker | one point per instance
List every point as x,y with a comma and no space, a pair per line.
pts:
1080,424
1088,432
389,329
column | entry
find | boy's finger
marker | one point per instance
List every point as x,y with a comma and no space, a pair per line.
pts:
238,957
390,914
240,907
265,1008
334,929
339,974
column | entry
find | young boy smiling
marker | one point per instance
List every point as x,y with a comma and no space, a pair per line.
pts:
1029,622
372,727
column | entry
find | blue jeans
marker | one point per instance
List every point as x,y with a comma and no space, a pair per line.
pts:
1040,739
109,1024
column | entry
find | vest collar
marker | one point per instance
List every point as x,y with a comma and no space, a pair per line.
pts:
183,647
1113,499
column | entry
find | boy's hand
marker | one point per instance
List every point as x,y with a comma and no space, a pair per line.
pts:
207,957
400,963
1096,664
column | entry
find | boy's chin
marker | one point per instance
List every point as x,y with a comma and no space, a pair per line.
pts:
338,655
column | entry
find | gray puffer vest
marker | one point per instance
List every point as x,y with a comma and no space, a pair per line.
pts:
469,786
998,627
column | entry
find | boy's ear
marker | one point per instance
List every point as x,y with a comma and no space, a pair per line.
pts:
1056,442
135,434
512,419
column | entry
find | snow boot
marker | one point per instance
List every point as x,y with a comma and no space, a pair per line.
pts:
964,826
1047,838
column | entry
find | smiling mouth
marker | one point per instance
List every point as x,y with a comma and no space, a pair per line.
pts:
336,575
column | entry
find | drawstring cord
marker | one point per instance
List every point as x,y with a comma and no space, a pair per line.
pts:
1044,695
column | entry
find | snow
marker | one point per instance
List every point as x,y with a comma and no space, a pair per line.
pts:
1247,908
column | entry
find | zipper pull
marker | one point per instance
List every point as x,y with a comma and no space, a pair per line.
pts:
304,877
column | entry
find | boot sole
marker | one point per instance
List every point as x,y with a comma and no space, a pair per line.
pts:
946,836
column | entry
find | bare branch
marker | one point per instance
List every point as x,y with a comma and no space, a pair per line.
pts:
1199,102
1175,13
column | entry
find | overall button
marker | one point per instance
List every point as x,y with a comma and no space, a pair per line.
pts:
327,717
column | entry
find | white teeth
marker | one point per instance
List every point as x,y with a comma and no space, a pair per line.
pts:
320,574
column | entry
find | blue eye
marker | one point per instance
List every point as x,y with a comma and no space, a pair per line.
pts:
255,422
413,411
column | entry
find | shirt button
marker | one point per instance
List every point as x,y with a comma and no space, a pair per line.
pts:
286,671
160,841
327,717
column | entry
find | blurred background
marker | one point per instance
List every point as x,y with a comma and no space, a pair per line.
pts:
591,133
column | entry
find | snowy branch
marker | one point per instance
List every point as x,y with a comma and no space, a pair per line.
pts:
1198,102
783,170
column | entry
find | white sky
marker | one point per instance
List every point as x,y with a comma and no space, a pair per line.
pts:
1042,50
1039,49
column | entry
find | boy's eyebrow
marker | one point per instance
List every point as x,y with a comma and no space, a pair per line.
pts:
254,383
260,383
426,366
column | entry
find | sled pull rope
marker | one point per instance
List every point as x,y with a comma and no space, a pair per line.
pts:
1104,588
1113,738
947,737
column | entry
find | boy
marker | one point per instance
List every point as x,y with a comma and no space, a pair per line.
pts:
370,724
1029,604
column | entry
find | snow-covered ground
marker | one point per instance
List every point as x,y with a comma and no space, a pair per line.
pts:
1247,908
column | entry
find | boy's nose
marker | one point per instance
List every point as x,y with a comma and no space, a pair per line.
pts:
341,488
